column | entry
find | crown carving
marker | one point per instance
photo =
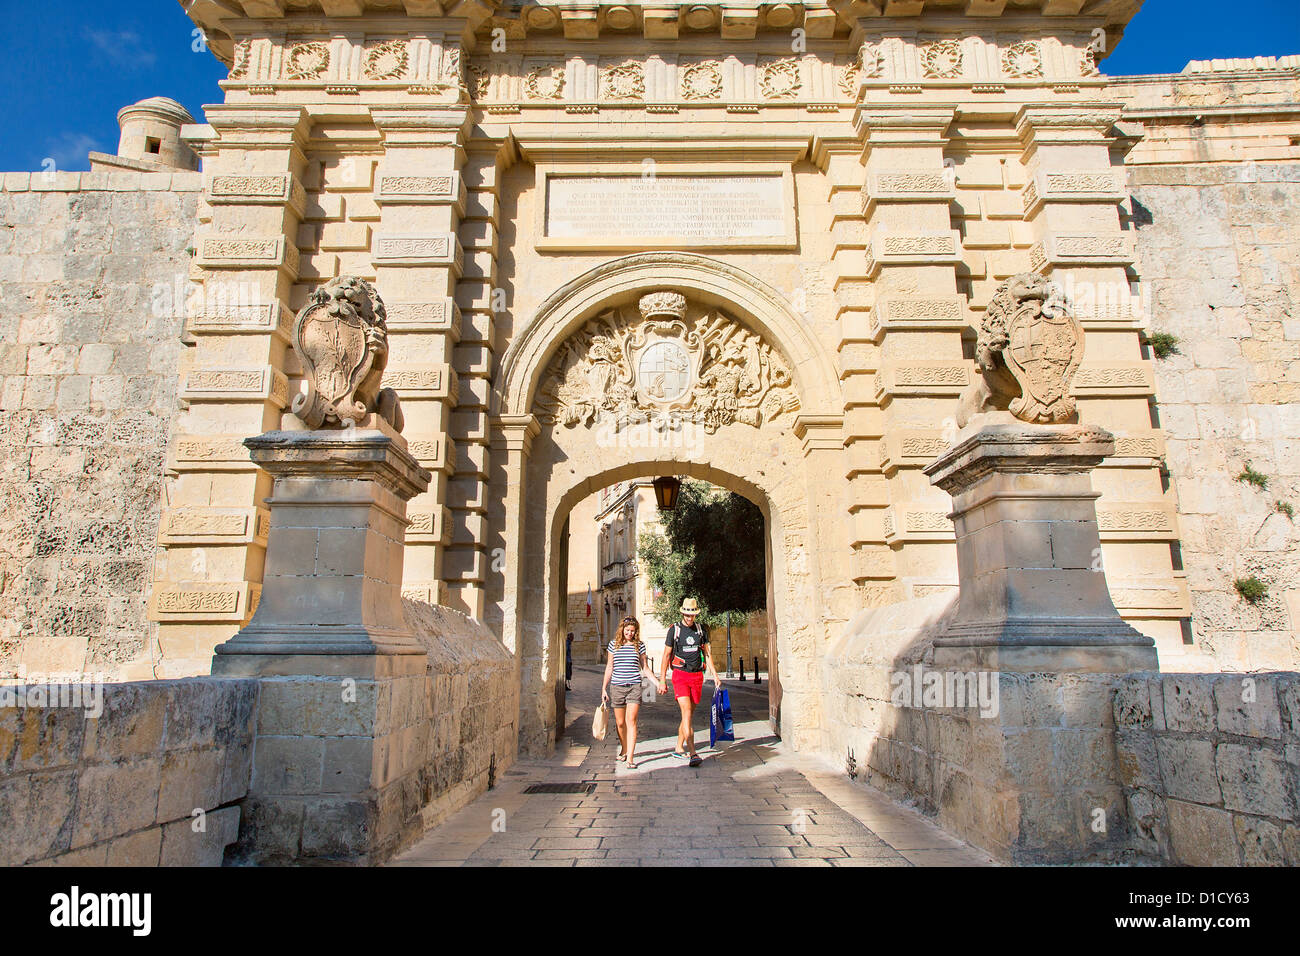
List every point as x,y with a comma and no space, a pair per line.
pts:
663,305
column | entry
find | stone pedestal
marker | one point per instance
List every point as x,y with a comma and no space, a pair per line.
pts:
343,728
1033,592
332,589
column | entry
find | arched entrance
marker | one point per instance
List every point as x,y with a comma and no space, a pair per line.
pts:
665,364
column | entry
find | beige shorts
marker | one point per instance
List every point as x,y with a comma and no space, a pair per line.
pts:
620,694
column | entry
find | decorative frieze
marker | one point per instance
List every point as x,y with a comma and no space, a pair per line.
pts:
1150,446
888,249
902,185
1135,521
1079,186
918,313
215,526
701,81
210,453
435,454
387,61
1117,379
307,61
1058,250
779,79
419,250
623,81
267,319
908,524
921,378
910,448
230,602
422,381
427,527
942,60
443,189
229,252
235,384
437,315
257,190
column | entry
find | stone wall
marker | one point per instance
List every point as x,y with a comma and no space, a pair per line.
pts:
1210,766
1222,271
1185,769
123,786
350,770
90,264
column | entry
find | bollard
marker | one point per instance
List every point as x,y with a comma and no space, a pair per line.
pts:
742,670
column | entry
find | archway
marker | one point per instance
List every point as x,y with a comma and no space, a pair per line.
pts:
759,394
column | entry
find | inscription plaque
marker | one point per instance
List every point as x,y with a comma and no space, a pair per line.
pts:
675,210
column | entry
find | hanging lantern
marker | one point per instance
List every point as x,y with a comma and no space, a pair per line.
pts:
666,491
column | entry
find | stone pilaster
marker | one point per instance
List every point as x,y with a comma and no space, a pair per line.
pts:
417,258
916,322
234,382
1072,205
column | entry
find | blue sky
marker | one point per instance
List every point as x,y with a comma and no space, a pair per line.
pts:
81,60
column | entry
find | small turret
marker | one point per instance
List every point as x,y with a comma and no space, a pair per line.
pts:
151,138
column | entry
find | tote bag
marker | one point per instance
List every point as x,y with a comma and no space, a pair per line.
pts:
600,722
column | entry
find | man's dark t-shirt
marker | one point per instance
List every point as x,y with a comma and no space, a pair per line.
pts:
687,645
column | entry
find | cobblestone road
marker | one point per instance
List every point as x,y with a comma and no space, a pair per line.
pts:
751,803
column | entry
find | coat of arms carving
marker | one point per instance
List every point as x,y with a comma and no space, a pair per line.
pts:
664,367
342,339
1028,350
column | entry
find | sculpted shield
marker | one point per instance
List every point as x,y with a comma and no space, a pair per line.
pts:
1028,350
343,343
1044,346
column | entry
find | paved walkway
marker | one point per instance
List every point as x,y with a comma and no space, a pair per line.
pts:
751,803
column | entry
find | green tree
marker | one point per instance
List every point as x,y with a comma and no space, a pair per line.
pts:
712,549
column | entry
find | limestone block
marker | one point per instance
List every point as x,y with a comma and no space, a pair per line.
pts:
183,845
1202,836
44,803
115,798
1188,704
1187,768
1248,706
1260,841
137,849
1255,781
191,780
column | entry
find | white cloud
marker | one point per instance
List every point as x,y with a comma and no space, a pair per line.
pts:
69,149
122,47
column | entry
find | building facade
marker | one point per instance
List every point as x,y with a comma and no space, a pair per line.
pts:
749,244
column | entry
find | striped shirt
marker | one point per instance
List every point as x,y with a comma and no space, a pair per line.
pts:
627,662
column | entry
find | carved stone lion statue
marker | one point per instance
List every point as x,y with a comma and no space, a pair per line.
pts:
342,339
1028,350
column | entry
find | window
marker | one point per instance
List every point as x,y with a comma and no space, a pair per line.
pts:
152,144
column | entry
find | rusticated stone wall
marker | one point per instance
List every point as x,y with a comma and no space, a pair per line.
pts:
351,770
1196,769
125,786
90,268
1210,766
1221,266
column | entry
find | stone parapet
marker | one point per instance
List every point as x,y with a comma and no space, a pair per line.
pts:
136,774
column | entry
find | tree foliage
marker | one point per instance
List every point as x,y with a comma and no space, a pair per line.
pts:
712,549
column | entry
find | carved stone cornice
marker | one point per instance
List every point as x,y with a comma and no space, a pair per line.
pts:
1068,124
515,432
904,125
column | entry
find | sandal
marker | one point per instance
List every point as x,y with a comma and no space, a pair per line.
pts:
631,765
621,756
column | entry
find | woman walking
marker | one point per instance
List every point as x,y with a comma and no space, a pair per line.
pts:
622,684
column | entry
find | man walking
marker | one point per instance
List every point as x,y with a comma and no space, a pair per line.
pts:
686,648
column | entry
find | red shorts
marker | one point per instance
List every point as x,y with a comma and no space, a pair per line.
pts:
686,684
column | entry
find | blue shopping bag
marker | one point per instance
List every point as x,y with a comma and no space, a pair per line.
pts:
720,725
